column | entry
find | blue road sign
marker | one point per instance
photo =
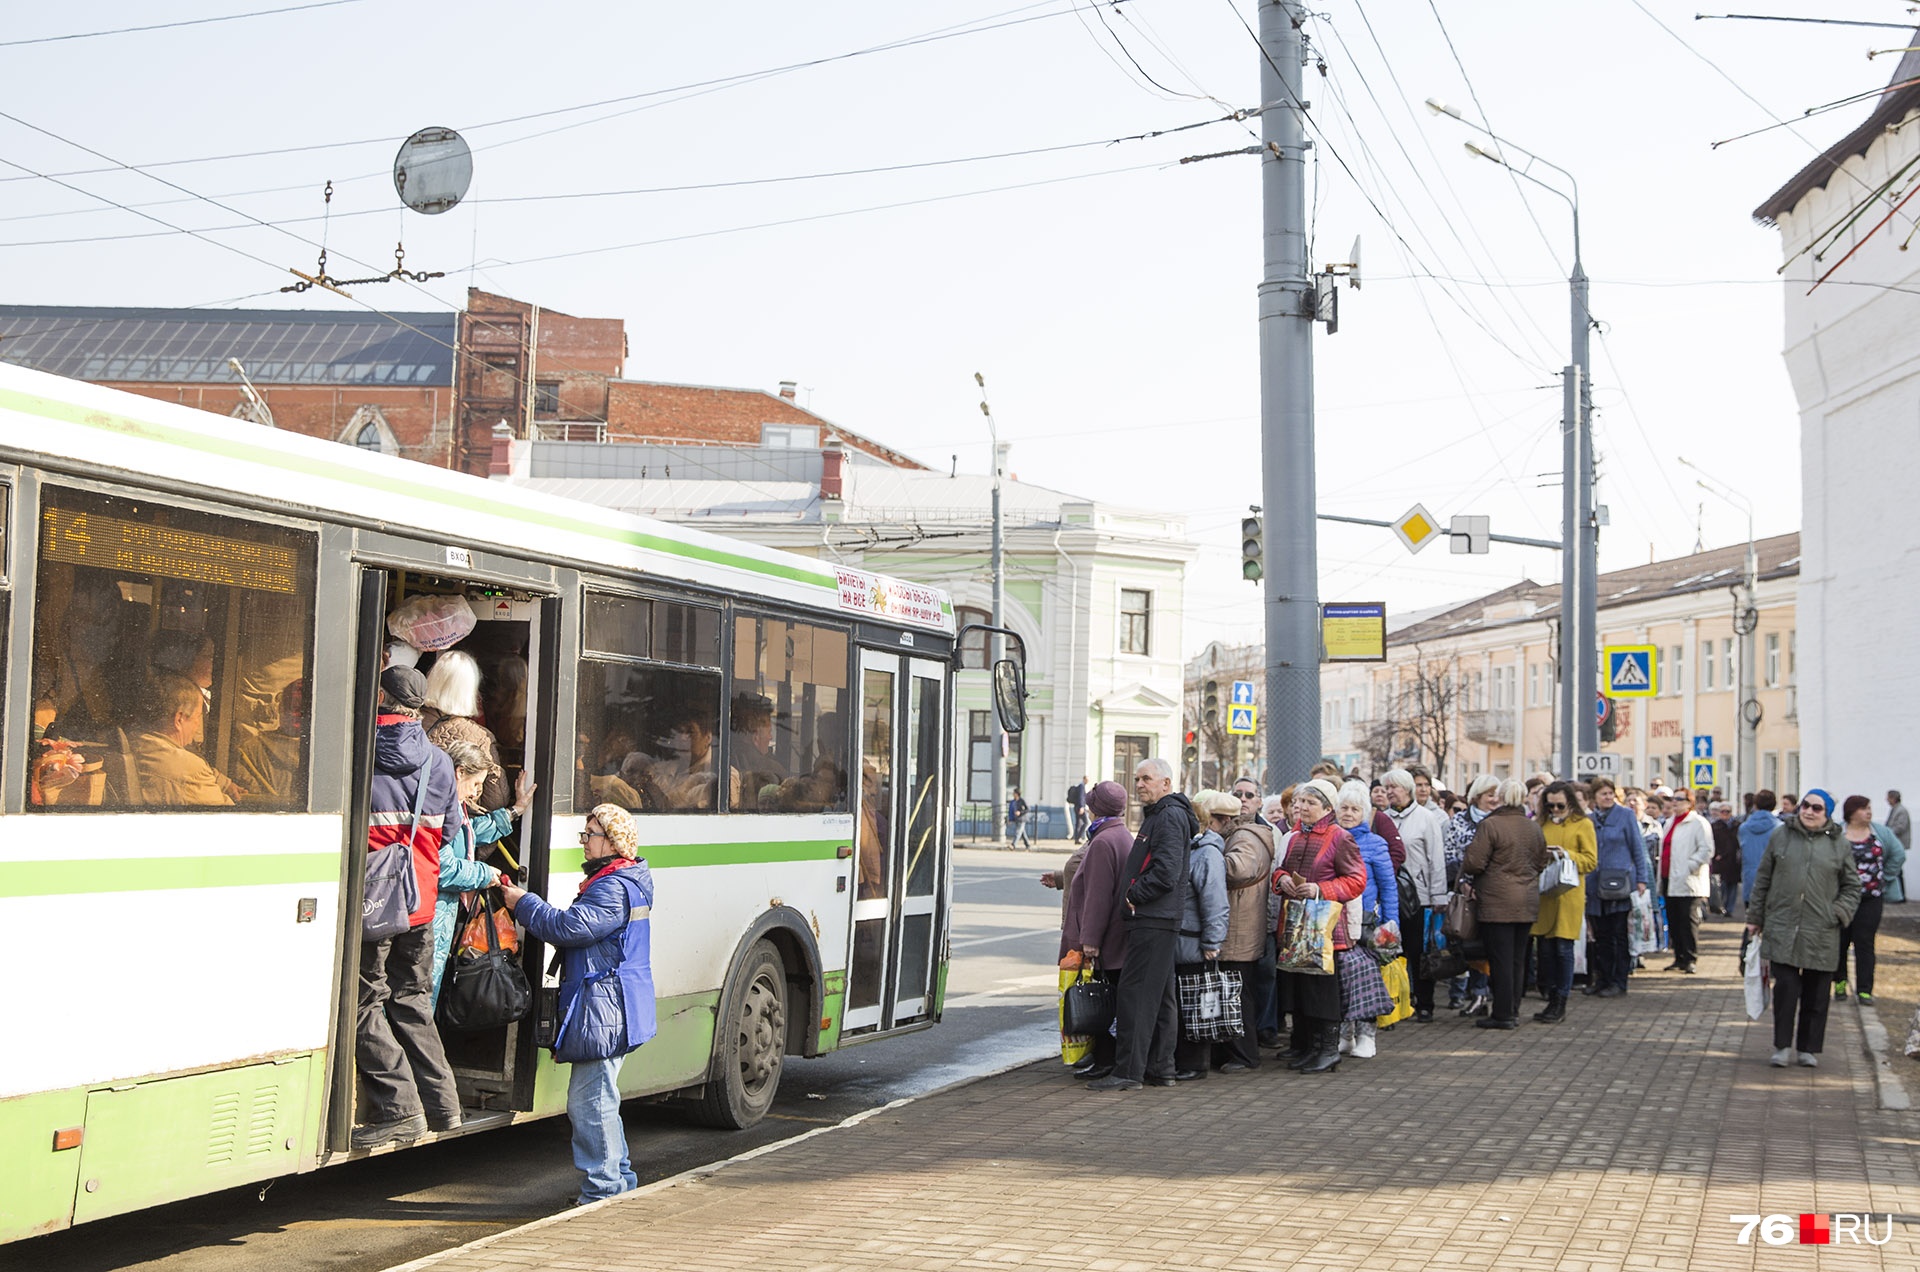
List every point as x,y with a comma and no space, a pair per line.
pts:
1242,693
1630,671
1703,746
1240,721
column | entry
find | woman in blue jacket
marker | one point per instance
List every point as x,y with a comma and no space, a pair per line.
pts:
606,989
1624,869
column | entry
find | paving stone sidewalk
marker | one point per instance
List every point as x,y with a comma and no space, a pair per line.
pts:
1622,1139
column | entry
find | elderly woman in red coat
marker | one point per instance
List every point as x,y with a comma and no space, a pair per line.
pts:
1319,860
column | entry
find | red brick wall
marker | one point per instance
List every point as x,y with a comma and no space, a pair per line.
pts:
641,411
420,418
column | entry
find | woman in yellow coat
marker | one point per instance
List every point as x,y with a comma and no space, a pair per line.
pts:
1567,830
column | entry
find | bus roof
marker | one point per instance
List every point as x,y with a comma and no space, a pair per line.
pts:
83,427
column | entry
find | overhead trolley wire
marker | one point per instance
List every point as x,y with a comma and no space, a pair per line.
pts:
166,26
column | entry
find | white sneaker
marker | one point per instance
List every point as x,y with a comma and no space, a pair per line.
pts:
1364,1044
1346,1038
1808,1060
1782,1058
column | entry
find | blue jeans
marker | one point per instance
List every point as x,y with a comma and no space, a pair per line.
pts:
1556,966
599,1138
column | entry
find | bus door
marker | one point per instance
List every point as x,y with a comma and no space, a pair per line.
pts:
903,844
514,640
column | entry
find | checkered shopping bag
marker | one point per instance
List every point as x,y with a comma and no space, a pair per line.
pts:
1210,1005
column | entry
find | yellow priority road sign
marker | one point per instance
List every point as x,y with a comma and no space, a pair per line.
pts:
1240,720
1417,527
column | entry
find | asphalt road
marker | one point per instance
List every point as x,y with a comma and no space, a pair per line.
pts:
368,1215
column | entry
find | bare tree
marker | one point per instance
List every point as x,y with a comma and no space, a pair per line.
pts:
1427,707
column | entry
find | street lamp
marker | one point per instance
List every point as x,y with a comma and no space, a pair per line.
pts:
1746,622
998,649
1579,588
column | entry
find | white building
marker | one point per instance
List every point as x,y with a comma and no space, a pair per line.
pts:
1095,591
1855,364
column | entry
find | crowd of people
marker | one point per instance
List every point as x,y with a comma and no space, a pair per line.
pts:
1544,884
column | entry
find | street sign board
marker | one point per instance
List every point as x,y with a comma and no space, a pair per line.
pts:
1240,720
1703,746
1632,671
1703,773
1469,535
1354,631
1242,693
1596,764
1416,528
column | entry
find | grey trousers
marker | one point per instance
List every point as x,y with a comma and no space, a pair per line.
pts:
402,1065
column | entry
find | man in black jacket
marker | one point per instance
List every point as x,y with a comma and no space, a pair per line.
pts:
1147,1007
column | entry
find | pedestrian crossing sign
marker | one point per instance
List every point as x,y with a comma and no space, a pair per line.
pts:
1703,774
1240,720
1632,671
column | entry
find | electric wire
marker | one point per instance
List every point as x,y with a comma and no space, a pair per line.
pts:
166,26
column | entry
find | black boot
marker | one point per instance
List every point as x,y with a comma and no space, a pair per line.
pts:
1556,1011
1327,1055
1302,1048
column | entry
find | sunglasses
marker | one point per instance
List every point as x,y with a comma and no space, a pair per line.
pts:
1248,794
1556,807
1814,805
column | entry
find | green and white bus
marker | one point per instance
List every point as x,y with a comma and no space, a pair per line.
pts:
182,980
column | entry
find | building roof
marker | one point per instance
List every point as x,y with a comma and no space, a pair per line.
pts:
656,411
1527,601
192,346
1901,95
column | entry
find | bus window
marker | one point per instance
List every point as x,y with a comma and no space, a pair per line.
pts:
787,731
169,658
648,726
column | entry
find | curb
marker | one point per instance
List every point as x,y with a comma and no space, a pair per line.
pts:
1889,1091
698,1173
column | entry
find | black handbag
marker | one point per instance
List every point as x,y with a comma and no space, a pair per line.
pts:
1615,885
484,989
1086,1009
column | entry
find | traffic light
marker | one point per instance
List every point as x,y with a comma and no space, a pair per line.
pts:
1252,539
1192,751
1211,703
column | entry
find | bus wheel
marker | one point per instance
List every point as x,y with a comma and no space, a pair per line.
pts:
750,1043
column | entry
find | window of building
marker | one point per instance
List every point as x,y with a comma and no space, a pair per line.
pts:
1726,662
648,710
983,740
369,439
1673,676
1793,656
1793,771
974,646
170,658
1773,659
1770,771
1709,665
1136,621
787,722
546,397
1128,750
790,436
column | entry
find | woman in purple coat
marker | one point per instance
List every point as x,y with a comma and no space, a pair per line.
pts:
1094,920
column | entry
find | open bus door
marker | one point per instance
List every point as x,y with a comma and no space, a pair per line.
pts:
495,1068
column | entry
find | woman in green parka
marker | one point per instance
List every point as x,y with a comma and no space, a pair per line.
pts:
1806,890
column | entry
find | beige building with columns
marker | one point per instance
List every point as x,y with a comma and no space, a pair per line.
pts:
1474,688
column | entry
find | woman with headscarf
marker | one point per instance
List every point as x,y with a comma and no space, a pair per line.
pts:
1504,862
1321,862
1363,990
1203,917
1094,923
1806,890
1567,829
453,702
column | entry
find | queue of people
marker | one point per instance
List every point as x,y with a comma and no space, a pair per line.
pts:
1535,884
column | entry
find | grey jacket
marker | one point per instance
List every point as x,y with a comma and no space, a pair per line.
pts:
1806,890
1203,911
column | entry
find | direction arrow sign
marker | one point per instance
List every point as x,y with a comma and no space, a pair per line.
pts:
1243,693
1703,773
1703,746
1416,528
1631,671
1240,720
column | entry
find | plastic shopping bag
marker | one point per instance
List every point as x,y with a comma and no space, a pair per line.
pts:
1758,976
1401,989
1073,1047
1643,933
1306,937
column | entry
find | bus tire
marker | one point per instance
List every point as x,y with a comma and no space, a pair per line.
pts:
749,1044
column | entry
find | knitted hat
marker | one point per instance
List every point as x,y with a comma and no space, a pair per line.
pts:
1107,799
1321,788
1824,798
617,822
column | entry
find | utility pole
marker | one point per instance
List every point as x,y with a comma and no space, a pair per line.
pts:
999,642
1570,624
1287,314
1586,664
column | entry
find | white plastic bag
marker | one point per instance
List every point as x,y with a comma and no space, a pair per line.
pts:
1643,933
432,622
1757,975
1580,949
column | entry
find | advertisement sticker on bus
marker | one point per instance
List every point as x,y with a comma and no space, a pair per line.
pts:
884,597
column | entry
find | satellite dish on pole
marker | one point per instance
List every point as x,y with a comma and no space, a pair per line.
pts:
433,170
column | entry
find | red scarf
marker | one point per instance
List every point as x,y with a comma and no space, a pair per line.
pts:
613,864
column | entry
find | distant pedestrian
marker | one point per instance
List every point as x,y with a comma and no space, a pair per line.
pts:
1687,849
1017,821
1871,858
1901,824
1095,911
1726,858
606,1005
1077,808
1806,890
1504,862
1755,829
1147,1006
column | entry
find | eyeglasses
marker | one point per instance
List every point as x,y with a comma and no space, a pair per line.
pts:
585,835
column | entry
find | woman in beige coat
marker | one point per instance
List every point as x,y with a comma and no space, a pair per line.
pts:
1249,858
1504,862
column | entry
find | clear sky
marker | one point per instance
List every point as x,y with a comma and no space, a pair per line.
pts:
1106,291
